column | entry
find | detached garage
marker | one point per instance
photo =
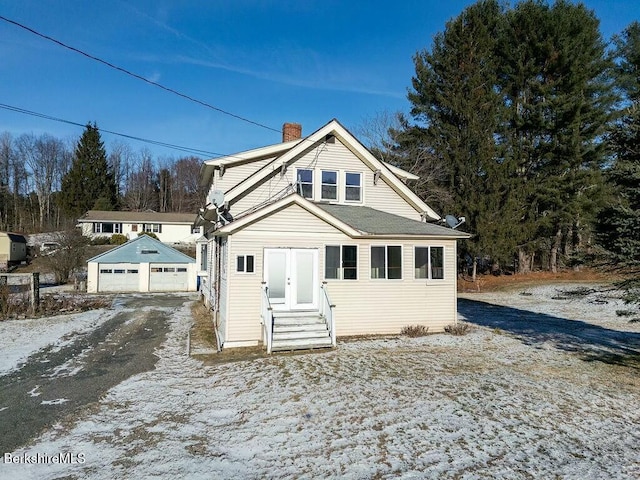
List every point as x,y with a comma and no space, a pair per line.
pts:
142,265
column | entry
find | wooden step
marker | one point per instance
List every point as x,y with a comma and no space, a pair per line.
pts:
300,344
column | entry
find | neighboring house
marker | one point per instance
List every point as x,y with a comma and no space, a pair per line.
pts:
315,238
168,227
13,248
141,265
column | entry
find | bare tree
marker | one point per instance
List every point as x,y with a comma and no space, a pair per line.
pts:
141,184
6,155
186,193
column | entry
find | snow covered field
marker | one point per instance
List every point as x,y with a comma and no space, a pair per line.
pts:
515,398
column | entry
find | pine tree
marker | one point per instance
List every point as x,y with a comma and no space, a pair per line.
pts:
89,184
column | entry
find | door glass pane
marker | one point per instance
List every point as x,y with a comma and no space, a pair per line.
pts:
276,282
304,277
394,258
331,261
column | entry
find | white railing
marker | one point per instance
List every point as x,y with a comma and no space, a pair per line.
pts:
267,317
326,310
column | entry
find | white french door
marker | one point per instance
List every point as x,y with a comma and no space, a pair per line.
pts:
292,278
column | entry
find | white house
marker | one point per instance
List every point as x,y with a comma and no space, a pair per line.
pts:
141,265
171,228
316,238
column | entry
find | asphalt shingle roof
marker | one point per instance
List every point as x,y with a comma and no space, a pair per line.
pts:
139,217
143,249
376,222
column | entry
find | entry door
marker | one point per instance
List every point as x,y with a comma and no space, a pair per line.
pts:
292,278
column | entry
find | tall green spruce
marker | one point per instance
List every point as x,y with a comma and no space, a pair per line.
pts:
515,101
89,184
619,224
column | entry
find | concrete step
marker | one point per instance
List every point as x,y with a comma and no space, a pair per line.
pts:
300,344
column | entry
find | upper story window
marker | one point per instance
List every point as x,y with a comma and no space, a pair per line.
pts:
353,187
386,262
304,183
429,262
329,185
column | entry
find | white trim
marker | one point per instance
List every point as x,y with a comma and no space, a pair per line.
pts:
398,172
340,267
386,262
244,272
353,202
429,277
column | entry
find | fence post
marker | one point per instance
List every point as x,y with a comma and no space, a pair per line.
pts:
35,291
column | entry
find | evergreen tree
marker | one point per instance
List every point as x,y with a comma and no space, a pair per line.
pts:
89,184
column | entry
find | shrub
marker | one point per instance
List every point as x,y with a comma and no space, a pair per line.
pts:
414,331
118,239
457,328
151,234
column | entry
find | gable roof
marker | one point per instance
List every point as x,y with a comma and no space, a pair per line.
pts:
142,249
140,217
333,128
354,221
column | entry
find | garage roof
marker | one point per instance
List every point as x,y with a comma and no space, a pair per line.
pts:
142,249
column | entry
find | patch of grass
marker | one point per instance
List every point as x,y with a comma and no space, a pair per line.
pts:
458,329
414,331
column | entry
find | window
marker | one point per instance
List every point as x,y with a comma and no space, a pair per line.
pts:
169,270
134,227
148,252
245,264
156,269
107,228
386,262
429,262
329,185
341,262
106,270
181,270
203,256
353,187
133,270
153,227
304,182
195,230
118,270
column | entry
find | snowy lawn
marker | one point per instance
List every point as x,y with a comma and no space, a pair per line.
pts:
491,404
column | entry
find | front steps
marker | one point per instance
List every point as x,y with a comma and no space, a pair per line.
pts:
299,331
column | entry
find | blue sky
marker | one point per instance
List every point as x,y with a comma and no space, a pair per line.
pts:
267,61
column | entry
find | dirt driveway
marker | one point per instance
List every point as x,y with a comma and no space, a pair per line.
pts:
56,382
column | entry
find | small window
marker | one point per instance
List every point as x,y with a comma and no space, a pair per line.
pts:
133,270
245,264
304,182
329,185
169,270
353,187
429,262
386,262
134,227
106,270
118,270
156,269
181,270
148,252
153,228
341,262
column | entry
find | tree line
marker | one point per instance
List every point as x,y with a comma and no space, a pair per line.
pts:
47,183
525,121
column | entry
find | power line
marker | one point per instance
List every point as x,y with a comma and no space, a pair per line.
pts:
194,151
135,75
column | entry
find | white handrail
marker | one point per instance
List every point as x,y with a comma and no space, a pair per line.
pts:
267,317
326,310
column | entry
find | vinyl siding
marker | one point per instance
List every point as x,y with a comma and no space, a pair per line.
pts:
334,157
363,306
236,174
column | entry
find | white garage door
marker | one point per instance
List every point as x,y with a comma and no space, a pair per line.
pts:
122,277
167,277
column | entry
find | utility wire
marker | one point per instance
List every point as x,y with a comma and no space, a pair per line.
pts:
135,75
194,151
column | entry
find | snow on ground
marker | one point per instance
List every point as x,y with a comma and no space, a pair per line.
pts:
21,338
486,405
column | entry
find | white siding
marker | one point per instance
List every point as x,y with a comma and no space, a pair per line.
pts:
235,174
334,157
363,306
171,233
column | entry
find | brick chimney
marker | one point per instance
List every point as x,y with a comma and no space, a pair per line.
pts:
291,131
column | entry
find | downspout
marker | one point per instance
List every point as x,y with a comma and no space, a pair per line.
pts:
216,314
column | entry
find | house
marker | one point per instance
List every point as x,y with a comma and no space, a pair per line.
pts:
141,265
171,228
315,238
13,248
